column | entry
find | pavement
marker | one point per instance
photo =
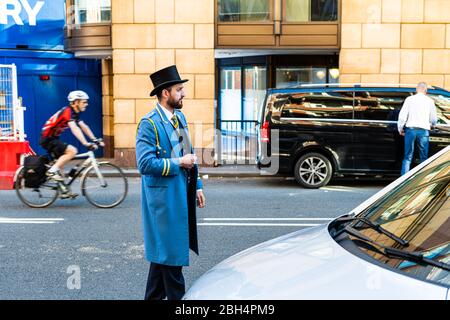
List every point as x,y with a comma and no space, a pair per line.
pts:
248,171
242,171
220,171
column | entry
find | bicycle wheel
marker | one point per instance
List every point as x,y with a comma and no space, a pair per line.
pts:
40,197
107,190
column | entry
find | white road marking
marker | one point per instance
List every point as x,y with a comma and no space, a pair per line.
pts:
341,189
265,222
259,224
29,220
268,219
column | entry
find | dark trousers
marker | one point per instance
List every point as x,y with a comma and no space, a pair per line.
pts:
164,281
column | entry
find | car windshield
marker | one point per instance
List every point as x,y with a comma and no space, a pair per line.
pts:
418,211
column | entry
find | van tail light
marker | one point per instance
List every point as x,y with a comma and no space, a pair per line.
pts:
265,132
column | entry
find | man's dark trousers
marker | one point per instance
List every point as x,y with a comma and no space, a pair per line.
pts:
164,281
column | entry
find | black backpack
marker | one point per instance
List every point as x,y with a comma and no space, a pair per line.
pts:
34,171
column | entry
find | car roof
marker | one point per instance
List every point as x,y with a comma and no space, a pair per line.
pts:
357,87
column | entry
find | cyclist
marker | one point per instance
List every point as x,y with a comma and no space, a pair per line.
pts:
67,117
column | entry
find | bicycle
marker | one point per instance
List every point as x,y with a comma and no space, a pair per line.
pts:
94,184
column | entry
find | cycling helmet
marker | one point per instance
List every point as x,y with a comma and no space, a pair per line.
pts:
77,95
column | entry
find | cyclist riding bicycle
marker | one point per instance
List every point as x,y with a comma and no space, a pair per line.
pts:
67,117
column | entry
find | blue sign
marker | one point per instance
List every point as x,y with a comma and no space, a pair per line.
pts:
32,24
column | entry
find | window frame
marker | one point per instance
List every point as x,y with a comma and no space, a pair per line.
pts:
269,21
285,22
76,13
241,63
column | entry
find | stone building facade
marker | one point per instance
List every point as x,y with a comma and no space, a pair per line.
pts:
148,35
347,41
395,41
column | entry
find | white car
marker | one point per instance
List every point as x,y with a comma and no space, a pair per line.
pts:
395,245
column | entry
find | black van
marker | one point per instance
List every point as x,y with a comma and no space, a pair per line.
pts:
327,130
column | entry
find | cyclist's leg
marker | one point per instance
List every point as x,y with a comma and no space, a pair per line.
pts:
69,153
63,152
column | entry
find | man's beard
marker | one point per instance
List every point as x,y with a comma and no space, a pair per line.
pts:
175,104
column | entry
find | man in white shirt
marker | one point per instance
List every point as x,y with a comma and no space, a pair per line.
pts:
417,117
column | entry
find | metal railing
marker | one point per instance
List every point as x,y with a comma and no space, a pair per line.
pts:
11,112
237,142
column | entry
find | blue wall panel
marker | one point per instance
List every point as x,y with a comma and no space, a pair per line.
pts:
40,38
43,98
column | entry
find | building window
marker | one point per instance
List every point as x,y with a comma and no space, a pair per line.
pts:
88,11
243,84
230,93
255,91
310,10
287,77
243,10
333,75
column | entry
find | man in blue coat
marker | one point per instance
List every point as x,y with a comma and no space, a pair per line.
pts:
171,187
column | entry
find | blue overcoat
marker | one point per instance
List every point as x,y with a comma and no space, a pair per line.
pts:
165,214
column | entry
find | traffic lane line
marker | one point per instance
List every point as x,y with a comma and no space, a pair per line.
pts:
268,219
347,189
4,220
265,222
232,224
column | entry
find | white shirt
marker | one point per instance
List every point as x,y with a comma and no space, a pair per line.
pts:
168,114
418,111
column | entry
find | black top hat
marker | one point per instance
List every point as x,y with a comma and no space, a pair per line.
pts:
165,78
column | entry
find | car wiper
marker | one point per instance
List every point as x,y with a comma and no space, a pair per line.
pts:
373,226
395,253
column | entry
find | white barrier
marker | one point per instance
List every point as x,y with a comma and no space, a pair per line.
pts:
11,110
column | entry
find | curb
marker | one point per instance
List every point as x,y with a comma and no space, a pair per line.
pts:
136,174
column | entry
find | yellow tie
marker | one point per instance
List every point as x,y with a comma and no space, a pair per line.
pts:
176,125
175,121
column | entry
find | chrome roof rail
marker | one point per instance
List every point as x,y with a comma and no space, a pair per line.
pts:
356,85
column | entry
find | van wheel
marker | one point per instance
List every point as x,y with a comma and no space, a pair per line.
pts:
313,170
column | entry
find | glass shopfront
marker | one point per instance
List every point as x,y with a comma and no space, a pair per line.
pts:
243,81
242,89
287,77
242,92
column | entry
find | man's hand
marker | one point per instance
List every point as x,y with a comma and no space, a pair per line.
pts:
99,142
402,133
201,200
188,161
91,146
